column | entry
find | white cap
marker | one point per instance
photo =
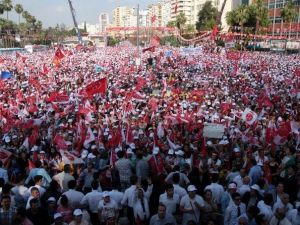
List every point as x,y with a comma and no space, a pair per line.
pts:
171,152
129,151
105,194
236,150
232,186
57,215
84,154
191,188
255,187
77,212
209,143
7,139
51,199
91,156
155,151
132,146
179,152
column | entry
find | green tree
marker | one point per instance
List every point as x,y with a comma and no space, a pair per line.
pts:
19,10
7,6
171,24
231,18
242,16
207,16
261,15
25,15
288,13
180,20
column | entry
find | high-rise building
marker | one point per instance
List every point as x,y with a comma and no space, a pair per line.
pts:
166,12
155,14
103,21
277,27
122,16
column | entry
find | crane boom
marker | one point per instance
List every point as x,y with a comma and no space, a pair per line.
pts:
75,22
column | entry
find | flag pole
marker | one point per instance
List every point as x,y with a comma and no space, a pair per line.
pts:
138,30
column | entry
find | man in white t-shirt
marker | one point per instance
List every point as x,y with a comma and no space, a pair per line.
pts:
107,208
170,199
190,205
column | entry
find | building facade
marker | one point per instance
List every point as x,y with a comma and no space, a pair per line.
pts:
103,21
277,26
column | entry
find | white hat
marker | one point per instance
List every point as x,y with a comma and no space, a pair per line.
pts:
171,152
209,143
7,139
57,215
84,154
191,188
132,146
255,187
236,150
155,151
105,194
129,151
51,199
232,186
77,212
91,156
179,152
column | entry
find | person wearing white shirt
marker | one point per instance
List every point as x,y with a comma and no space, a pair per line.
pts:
116,195
190,206
239,178
279,218
64,177
170,199
20,192
3,173
265,207
216,189
234,210
128,197
141,207
73,196
245,187
284,203
92,200
183,179
294,216
38,180
107,208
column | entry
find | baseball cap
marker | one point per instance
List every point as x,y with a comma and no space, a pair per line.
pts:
105,194
77,212
57,215
51,199
191,188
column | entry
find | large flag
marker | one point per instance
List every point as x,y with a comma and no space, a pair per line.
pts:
97,87
155,41
153,19
150,49
214,32
249,116
59,55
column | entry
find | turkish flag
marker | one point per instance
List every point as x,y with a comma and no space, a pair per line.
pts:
249,116
59,54
4,156
153,19
19,56
97,87
150,49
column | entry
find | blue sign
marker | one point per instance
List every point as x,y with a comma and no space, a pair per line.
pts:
5,75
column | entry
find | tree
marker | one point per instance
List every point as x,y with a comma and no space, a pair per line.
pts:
19,10
288,13
207,16
7,6
261,15
180,20
242,16
171,24
25,15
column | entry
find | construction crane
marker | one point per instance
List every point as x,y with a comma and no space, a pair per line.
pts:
75,22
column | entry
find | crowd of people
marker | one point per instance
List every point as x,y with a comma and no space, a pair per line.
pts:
111,136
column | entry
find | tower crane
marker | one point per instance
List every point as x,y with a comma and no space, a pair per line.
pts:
75,22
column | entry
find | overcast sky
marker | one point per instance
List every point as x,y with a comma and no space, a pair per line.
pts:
52,12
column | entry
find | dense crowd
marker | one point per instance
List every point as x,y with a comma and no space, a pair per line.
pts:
112,136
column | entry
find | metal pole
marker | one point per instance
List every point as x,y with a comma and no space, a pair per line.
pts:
298,22
138,30
273,25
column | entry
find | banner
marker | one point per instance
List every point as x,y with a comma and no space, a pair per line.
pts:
213,130
5,75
